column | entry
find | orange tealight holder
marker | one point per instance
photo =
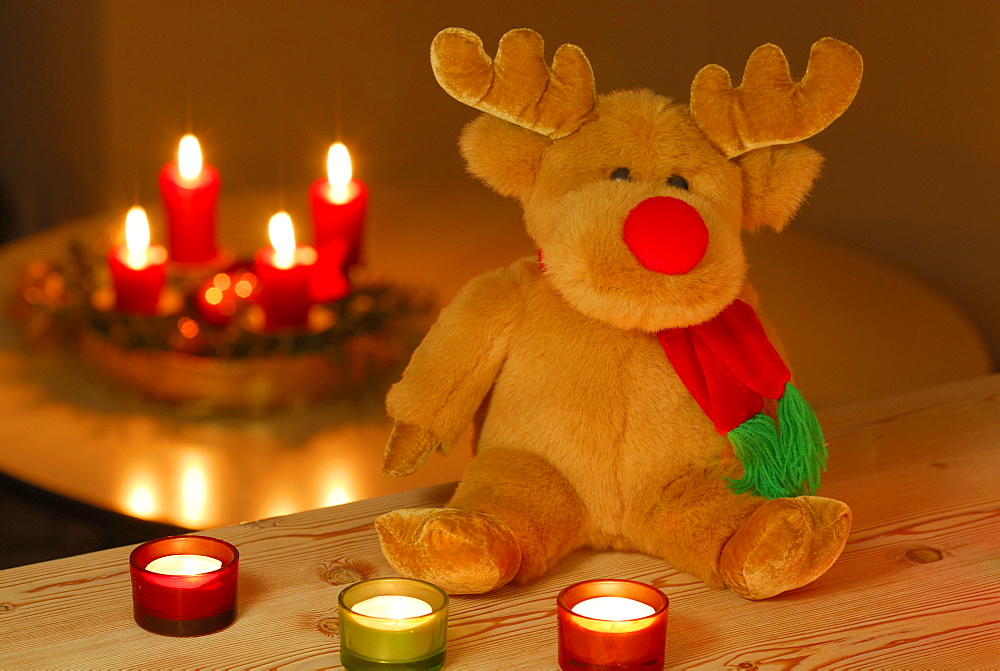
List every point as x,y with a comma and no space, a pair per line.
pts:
619,624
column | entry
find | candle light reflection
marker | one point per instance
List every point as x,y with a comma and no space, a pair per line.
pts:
279,505
336,495
141,501
194,493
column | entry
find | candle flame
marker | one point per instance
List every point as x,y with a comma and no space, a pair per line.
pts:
338,172
613,609
189,157
282,235
393,607
136,237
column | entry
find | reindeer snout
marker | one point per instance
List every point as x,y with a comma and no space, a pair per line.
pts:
666,235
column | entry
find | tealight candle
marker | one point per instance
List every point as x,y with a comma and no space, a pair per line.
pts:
613,609
283,274
183,565
338,205
190,191
138,269
184,585
393,623
611,623
394,608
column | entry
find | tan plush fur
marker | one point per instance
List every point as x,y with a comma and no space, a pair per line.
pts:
585,435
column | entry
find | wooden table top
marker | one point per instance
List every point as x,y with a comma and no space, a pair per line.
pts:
855,328
918,585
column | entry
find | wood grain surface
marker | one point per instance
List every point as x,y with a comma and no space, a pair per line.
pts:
918,586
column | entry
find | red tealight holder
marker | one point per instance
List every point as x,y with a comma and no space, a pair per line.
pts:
184,605
593,642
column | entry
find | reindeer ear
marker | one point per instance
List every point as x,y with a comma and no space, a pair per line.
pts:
775,182
503,155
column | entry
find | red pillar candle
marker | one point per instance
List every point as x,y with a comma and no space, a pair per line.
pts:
190,190
138,269
619,624
283,276
328,281
338,205
184,585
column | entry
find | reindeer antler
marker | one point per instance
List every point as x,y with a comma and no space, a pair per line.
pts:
770,108
517,86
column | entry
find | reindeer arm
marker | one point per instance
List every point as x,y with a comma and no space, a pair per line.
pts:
454,368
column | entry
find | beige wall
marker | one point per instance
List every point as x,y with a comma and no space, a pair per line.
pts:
267,85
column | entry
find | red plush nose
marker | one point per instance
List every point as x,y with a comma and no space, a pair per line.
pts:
666,234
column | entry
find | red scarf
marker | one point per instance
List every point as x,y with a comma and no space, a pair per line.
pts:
728,364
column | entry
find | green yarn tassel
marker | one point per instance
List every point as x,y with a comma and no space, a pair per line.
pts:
801,439
783,460
755,442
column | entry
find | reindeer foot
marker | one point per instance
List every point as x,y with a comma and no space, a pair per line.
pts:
460,551
786,543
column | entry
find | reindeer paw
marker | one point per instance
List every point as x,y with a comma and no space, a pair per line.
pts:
460,551
786,544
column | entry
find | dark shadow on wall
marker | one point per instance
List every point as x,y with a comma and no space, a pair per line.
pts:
8,217
36,525
51,119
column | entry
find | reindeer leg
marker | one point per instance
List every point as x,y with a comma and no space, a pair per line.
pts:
512,517
757,547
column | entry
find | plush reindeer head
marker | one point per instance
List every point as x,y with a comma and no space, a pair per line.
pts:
637,203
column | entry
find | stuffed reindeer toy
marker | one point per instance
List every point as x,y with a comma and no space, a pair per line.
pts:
623,391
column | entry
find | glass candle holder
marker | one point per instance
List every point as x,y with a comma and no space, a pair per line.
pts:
190,597
606,637
393,623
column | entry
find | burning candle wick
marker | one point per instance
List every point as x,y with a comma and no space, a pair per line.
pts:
183,565
613,608
392,607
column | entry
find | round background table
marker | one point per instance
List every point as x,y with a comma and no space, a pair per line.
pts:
854,327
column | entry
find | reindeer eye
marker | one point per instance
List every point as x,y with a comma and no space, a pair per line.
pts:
677,182
621,174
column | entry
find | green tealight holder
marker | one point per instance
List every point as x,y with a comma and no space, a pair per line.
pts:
393,624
